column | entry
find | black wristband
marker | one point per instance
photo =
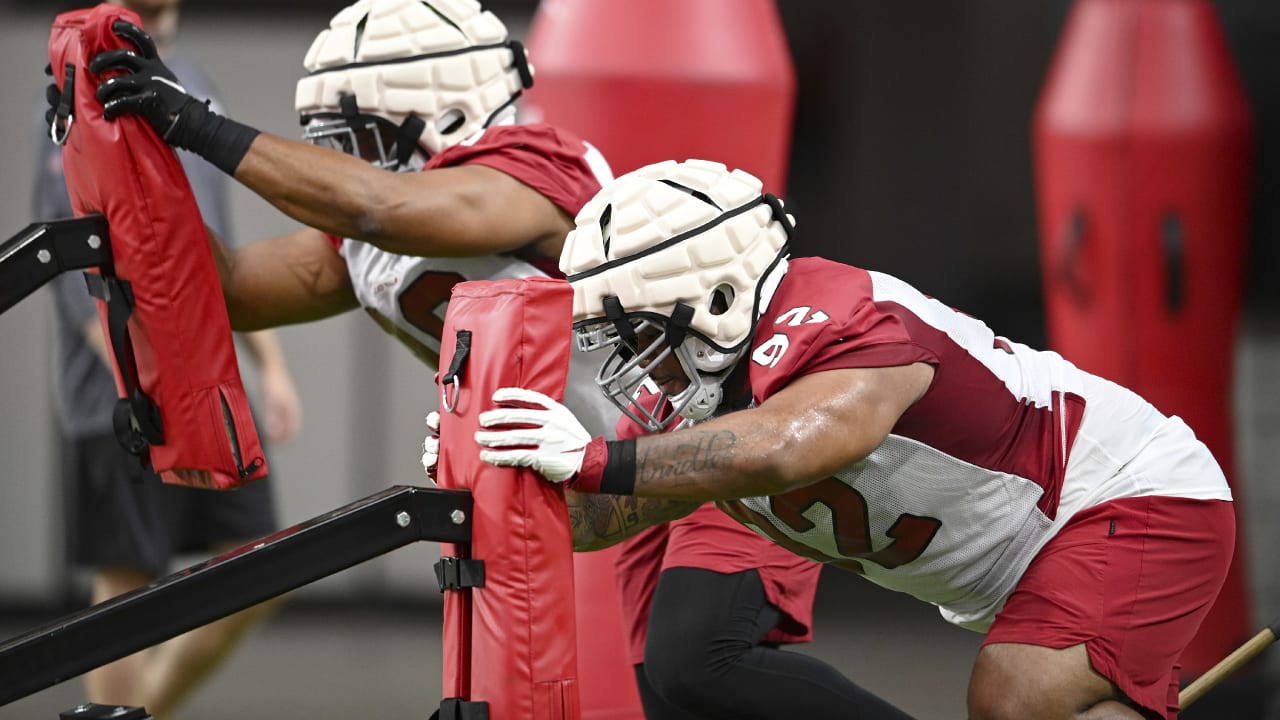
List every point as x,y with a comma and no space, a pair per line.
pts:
619,476
220,140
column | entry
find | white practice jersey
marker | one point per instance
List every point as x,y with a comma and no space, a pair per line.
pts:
980,473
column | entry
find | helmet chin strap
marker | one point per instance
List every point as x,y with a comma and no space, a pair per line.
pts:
407,134
416,162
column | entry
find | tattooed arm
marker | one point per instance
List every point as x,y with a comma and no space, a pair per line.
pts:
599,521
811,429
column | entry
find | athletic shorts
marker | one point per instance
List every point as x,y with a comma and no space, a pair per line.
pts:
710,540
1132,579
119,514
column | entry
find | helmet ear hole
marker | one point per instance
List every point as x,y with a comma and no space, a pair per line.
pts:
721,299
355,49
450,121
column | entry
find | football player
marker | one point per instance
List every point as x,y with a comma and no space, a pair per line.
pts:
435,183
857,421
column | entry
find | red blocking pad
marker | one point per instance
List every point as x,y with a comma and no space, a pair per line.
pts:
1143,139
179,350
511,643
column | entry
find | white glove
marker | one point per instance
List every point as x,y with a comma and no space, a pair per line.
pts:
545,437
431,446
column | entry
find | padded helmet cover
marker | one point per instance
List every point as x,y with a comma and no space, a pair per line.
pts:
673,233
674,259
448,62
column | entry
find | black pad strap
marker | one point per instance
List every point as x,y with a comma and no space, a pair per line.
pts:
459,709
60,124
142,425
459,573
453,377
461,349
126,430
347,103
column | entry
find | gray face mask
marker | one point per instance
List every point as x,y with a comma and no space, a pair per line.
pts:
625,376
367,137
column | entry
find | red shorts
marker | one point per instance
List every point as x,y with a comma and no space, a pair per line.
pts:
1131,579
710,540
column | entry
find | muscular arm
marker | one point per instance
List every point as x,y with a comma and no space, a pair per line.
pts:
598,521
446,212
288,279
816,426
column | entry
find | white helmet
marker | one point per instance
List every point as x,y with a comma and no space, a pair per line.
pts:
388,77
690,252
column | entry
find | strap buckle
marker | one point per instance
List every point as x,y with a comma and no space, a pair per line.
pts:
455,573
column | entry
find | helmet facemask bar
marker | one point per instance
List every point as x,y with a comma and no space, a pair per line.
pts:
622,374
639,344
367,137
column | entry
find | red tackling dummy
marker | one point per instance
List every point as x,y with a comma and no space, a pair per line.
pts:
1143,146
184,408
511,643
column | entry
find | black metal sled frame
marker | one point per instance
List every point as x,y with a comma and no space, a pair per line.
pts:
43,250
228,583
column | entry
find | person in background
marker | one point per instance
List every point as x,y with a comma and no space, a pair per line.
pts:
851,418
121,521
